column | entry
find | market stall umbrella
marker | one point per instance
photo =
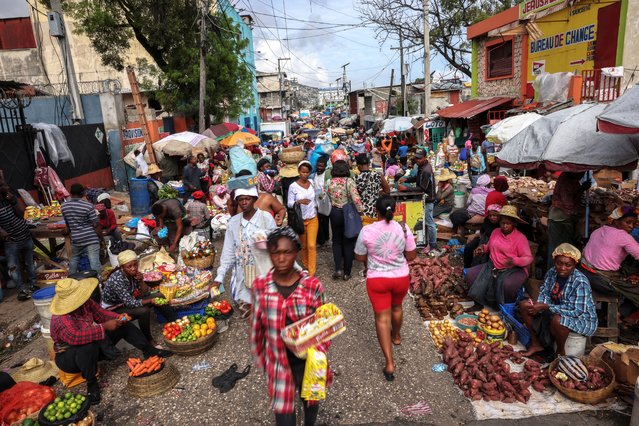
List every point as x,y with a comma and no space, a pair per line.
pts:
222,130
245,137
183,143
507,128
249,130
397,124
622,115
567,140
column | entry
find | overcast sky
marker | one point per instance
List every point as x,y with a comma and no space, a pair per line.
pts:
318,54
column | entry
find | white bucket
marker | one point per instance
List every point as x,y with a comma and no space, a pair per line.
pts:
460,200
42,301
634,420
575,344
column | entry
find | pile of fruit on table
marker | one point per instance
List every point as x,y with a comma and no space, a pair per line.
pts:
189,328
216,308
65,408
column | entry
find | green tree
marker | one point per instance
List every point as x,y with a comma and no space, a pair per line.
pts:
169,31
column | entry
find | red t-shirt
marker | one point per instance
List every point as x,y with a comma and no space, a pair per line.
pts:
495,197
108,223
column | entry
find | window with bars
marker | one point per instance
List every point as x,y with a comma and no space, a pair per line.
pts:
500,60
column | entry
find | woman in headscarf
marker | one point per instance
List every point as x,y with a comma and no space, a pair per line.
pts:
221,198
476,209
496,196
498,281
282,297
564,304
611,254
125,292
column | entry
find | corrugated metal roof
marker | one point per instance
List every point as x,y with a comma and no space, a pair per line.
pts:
471,108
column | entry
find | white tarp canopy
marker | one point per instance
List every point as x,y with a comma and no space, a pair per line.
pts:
621,115
507,128
568,140
397,124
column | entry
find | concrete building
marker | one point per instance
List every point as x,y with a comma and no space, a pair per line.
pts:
268,89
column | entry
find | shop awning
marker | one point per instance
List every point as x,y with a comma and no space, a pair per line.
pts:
470,109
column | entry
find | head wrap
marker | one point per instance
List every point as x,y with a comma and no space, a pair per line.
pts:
494,208
100,207
198,195
126,256
621,212
567,250
251,192
500,183
284,232
304,163
221,189
483,180
103,196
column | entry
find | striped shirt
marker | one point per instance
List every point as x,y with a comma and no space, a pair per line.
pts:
80,216
14,225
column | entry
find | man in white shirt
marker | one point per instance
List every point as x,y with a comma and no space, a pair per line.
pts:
143,167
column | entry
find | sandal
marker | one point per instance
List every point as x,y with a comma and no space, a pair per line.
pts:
245,310
389,376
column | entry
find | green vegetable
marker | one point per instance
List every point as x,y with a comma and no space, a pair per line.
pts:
166,192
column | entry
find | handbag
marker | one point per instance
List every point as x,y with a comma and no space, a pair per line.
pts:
295,219
352,219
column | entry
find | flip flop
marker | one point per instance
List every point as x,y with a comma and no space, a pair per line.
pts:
389,376
223,378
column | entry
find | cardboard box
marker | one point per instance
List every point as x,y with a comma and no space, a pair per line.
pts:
623,359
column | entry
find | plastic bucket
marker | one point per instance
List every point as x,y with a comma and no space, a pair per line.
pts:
460,200
575,344
140,199
46,333
42,300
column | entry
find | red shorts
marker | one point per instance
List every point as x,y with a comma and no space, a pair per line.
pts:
386,292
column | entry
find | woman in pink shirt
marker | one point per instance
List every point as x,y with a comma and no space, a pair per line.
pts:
498,281
385,247
606,251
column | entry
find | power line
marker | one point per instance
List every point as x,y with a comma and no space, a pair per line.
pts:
286,25
310,22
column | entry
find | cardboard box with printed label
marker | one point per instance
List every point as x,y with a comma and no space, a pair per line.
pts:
623,359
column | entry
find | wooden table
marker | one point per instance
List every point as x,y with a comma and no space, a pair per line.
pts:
43,232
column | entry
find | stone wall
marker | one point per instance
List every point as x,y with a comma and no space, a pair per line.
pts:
504,86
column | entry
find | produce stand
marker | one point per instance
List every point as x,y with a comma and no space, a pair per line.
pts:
52,231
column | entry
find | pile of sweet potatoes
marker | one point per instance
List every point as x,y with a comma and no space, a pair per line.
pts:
435,276
598,378
482,371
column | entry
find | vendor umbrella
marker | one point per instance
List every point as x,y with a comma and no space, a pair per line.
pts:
183,143
223,130
507,128
397,124
246,138
622,115
567,140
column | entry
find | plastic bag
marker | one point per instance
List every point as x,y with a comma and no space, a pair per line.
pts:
56,141
143,232
315,376
23,399
240,160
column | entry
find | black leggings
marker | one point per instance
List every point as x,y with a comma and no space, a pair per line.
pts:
143,315
297,366
343,248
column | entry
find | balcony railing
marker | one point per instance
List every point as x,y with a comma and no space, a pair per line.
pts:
598,87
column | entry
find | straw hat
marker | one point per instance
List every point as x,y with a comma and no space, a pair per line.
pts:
35,370
70,294
153,169
445,175
511,212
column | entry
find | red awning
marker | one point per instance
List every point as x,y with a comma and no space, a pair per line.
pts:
470,109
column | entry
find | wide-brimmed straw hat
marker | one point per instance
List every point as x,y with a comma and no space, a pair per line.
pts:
35,370
511,212
153,169
70,294
445,175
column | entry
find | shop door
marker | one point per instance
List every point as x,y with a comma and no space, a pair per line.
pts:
607,31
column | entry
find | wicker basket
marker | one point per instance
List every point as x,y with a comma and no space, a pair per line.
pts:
291,157
196,347
155,384
200,262
585,397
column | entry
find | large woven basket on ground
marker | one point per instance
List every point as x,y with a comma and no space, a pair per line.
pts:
195,347
585,397
155,384
292,156
200,262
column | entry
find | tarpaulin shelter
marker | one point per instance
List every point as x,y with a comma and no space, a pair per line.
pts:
507,128
567,140
621,116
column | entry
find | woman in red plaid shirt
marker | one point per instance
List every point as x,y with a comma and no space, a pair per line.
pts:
281,298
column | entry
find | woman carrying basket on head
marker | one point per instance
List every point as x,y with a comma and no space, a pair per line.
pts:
280,298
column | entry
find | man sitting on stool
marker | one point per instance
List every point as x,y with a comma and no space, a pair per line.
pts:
83,333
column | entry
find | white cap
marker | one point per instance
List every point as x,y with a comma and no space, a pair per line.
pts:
251,192
103,196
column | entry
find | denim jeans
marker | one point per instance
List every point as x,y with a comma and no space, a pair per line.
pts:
15,250
429,222
93,253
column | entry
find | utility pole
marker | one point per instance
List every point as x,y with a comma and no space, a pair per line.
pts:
403,76
426,60
279,76
68,68
345,87
203,14
390,92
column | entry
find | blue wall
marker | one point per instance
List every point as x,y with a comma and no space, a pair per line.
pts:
251,116
57,110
